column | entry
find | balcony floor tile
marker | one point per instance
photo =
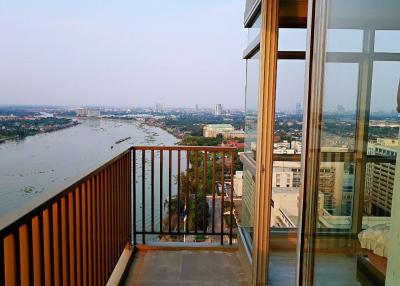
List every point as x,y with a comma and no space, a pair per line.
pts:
183,267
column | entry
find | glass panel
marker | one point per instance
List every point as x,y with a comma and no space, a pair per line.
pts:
255,29
357,203
252,79
339,110
387,41
344,40
246,213
286,172
292,39
385,80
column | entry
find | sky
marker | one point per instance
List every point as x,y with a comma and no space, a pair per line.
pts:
123,52
177,52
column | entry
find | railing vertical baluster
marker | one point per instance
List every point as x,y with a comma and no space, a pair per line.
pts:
118,207
205,158
114,196
94,219
110,225
3,264
196,187
30,252
123,201
152,191
17,254
99,227
178,191
67,240
222,196
161,189
112,220
107,223
187,191
89,228
59,242
85,237
126,200
129,198
134,197
169,190
51,242
122,210
103,213
231,195
143,196
129,202
80,233
121,205
41,251
114,217
213,190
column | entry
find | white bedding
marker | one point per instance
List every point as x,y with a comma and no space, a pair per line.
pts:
376,239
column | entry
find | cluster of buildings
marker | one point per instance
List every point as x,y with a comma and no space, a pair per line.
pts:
85,112
286,147
226,130
336,187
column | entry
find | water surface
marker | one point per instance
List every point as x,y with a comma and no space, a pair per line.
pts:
52,161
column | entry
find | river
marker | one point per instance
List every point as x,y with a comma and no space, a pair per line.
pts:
52,161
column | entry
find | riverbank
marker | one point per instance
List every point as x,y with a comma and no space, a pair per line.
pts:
18,129
159,123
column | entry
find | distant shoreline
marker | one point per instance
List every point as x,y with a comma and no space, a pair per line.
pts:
19,137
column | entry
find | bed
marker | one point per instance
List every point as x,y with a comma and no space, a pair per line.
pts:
372,263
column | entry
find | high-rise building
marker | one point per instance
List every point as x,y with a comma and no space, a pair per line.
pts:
159,108
298,107
379,184
218,110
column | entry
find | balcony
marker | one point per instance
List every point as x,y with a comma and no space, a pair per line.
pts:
132,221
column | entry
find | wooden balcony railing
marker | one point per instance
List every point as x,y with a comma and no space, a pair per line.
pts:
77,236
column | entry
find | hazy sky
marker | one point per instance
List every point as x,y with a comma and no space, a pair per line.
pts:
124,52
178,52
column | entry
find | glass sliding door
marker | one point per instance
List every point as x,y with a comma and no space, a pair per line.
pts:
351,185
248,157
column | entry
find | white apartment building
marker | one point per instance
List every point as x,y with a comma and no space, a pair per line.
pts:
238,183
381,177
212,130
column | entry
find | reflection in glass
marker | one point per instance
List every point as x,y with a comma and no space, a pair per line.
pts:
339,107
252,79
